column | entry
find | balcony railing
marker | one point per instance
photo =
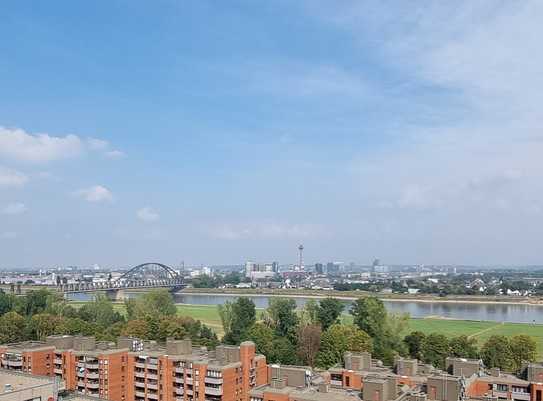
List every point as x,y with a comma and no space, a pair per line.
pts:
213,390
152,376
213,380
93,385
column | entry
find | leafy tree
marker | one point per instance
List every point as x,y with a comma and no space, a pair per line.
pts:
35,301
262,336
155,303
282,313
463,347
43,325
100,311
226,315
435,348
309,313
12,327
241,319
414,343
370,315
136,328
497,352
329,311
339,339
523,349
77,326
309,341
282,351
7,302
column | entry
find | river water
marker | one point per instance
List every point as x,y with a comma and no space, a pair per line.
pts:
498,312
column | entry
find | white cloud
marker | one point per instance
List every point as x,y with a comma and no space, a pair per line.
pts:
16,144
115,154
97,144
19,145
11,178
147,215
96,193
14,208
8,235
263,230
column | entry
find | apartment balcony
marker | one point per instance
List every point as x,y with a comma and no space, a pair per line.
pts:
57,371
213,390
140,365
139,384
213,380
179,391
80,364
520,396
80,374
152,386
189,380
93,385
179,380
141,375
15,364
152,396
179,399
189,392
93,375
179,370
81,383
336,383
92,365
57,361
140,394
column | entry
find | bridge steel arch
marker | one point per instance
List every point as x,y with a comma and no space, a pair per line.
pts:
166,270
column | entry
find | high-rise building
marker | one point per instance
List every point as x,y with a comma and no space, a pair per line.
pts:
319,268
256,271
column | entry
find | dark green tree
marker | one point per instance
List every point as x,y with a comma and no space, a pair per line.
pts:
242,316
338,339
282,313
263,337
12,328
329,311
282,351
463,347
414,342
523,349
435,348
497,352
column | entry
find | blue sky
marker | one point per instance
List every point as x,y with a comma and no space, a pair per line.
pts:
215,132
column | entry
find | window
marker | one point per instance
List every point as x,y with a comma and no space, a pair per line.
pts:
538,395
347,381
502,387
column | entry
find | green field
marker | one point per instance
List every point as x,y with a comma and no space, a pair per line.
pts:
209,315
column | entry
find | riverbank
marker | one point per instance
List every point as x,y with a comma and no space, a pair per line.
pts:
480,330
353,295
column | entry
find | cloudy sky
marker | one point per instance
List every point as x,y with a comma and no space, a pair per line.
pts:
214,133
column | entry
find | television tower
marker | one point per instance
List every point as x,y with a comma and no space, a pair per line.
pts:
301,254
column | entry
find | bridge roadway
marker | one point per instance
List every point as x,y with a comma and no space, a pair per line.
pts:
175,284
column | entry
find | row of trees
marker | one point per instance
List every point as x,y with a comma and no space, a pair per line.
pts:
315,335
507,353
153,316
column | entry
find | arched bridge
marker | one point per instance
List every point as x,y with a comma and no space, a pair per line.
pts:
146,275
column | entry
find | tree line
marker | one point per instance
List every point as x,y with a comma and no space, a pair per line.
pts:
153,316
316,335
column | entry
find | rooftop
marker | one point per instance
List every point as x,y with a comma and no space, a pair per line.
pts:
21,381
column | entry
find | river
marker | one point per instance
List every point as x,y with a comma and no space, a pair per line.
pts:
498,312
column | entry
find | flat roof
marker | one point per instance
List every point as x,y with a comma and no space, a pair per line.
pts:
22,381
308,393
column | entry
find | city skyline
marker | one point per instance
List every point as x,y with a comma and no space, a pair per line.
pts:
216,134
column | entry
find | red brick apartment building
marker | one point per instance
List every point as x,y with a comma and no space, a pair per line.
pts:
134,370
